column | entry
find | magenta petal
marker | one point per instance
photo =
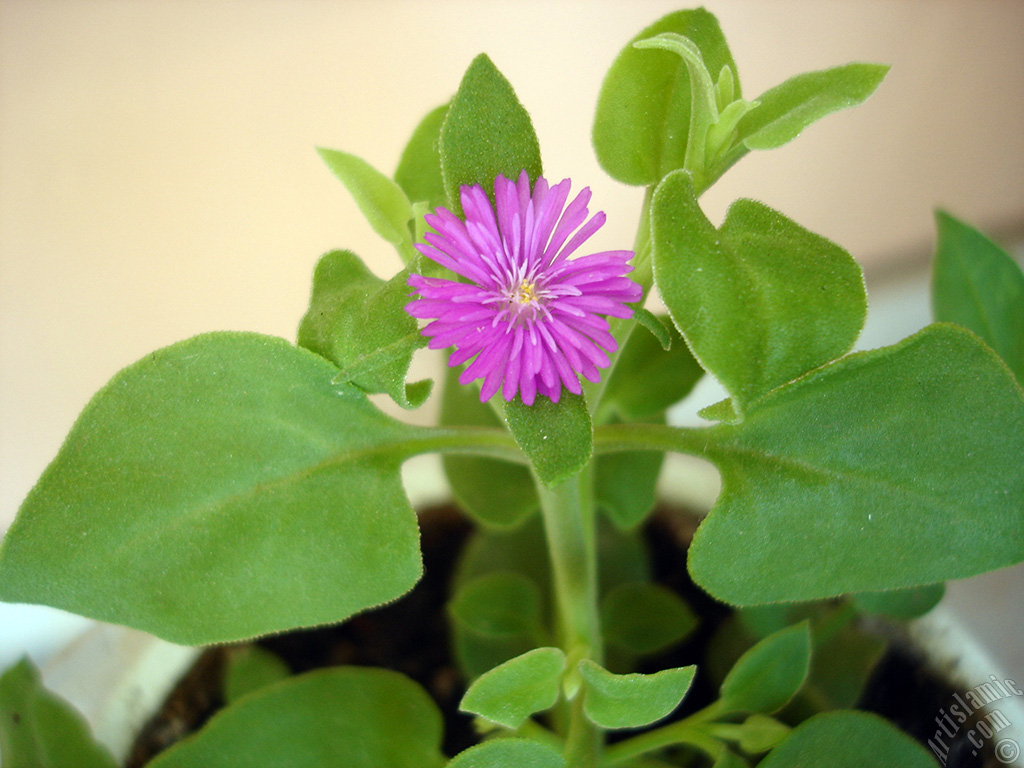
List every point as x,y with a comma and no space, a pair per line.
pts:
526,315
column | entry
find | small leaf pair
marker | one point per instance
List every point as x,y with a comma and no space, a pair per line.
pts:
510,693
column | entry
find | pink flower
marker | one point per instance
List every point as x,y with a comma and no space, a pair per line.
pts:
529,315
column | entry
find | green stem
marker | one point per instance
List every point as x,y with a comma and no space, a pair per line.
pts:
568,515
681,732
612,438
570,535
477,441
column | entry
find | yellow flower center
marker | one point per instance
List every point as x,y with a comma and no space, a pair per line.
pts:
526,293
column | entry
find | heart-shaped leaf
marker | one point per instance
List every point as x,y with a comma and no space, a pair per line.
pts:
760,300
888,469
648,378
625,485
219,489
499,604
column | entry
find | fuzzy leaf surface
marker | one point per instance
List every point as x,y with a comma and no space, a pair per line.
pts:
761,300
768,675
358,717
40,730
976,284
642,122
848,739
218,489
785,110
557,438
888,469
358,321
419,169
510,693
381,200
633,700
504,753
487,132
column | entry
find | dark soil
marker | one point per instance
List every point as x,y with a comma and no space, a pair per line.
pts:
411,636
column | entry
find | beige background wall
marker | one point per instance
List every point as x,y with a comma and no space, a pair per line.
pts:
158,179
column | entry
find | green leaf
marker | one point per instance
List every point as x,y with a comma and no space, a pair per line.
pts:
625,485
557,438
622,557
510,693
768,675
493,492
419,169
205,464
723,410
40,730
785,110
504,753
889,469
486,133
843,659
761,300
381,200
648,379
841,666
658,326
644,618
634,700
703,97
523,552
358,321
978,285
642,123
357,717
848,739
760,733
499,604
901,603
251,668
